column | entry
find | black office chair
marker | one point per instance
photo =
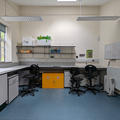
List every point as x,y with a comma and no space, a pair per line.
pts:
33,76
76,79
91,73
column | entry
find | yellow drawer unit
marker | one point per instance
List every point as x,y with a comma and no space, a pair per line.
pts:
53,80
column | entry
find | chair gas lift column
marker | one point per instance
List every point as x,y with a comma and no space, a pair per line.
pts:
76,79
33,76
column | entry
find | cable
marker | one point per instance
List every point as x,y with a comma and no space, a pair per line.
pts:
5,8
80,7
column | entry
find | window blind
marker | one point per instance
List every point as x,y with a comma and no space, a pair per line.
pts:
2,28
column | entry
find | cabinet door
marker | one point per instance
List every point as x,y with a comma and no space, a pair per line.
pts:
116,50
112,51
13,88
108,52
49,80
45,80
60,80
3,88
53,80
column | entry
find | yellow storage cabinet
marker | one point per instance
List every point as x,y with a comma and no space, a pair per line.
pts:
53,80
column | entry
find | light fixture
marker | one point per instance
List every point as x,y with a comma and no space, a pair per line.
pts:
21,18
95,18
66,0
98,18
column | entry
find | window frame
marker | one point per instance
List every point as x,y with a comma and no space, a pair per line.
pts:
4,42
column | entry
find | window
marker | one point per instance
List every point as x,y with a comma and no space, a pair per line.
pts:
2,42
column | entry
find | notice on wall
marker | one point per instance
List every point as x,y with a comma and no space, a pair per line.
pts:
89,53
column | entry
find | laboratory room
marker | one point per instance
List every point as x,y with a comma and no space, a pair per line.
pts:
59,59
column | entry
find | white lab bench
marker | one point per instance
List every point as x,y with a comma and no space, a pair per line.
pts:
5,71
4,82
10,69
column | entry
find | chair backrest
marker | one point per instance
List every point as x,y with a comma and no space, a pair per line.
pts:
75,71
91,70
34,69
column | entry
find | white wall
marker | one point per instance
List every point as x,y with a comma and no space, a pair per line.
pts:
13,29
61,24
109,31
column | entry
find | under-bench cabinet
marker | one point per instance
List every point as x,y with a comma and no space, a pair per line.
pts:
3,88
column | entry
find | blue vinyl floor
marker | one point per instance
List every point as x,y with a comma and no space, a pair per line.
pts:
57,104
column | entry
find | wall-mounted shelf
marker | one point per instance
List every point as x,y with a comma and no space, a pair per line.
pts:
45,52
44,46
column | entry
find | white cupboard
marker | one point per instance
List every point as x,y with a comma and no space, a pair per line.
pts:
3,88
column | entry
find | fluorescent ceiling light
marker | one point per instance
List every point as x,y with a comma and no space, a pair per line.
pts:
98,18
21,18
66,0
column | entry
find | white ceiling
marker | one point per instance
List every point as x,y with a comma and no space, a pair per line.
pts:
55,3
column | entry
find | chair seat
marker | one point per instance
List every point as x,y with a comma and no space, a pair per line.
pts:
79,77
29,76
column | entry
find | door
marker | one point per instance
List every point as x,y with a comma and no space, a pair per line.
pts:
53,80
